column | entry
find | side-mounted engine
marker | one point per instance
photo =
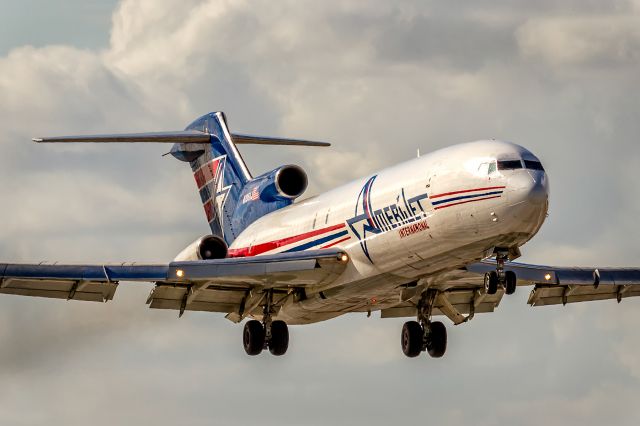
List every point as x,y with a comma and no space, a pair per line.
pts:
204,248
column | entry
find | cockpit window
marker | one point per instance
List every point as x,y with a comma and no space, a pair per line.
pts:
509,164
487,168
533,165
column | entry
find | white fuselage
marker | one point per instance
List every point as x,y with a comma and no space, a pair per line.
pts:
420,218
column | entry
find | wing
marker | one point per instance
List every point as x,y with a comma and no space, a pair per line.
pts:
561,285
224,285
460,293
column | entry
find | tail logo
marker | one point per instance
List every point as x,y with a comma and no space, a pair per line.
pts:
210,180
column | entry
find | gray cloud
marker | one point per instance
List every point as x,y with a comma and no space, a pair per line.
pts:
378,80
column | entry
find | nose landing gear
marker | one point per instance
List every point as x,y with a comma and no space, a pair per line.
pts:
272,335
507,279
424,335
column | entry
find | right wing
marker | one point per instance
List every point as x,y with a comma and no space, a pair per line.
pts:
561,285
231,285
460,293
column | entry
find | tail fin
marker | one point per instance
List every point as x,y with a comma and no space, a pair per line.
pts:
219,171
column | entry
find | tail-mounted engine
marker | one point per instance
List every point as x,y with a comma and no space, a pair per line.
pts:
267,193
284,183
204,248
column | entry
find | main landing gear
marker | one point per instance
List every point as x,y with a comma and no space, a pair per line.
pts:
421,335
268,334
507,279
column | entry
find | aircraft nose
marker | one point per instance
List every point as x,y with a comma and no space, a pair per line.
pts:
531,186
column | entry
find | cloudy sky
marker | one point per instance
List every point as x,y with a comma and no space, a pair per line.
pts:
378,79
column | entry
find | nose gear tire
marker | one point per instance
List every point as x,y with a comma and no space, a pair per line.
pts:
510,282
491,282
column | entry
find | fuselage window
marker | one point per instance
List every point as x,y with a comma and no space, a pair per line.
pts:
509,164
533,165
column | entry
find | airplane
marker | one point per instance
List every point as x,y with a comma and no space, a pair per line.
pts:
434,236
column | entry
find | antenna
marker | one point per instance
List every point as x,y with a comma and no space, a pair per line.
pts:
418,153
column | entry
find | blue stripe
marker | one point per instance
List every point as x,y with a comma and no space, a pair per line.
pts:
463,197
205,194
316,242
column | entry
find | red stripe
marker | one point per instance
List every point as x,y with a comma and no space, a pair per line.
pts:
465,202
208,209
271,245
334,243
199,178
465,191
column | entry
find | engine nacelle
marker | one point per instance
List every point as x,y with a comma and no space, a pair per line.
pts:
284,183
204,248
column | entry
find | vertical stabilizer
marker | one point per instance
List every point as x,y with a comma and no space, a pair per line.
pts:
231,197
219,170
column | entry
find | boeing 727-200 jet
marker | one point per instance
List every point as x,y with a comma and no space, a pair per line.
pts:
432,236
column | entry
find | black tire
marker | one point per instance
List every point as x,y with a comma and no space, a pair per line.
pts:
437,340
510,282
491,282
411,338
253,337
279,338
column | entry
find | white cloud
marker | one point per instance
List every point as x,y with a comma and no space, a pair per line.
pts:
602,41
363,77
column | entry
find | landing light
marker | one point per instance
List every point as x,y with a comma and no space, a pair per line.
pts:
180,273
547,277
344,257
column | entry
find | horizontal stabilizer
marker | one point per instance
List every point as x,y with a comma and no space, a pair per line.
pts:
263,140
186,136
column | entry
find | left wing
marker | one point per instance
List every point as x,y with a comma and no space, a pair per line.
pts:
209,285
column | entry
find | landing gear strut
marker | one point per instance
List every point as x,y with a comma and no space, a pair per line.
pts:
507,279
268,334
421,335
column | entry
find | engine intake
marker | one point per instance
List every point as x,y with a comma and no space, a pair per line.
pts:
204,248
291,181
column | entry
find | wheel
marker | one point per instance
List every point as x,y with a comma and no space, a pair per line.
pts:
279,338
510,282
253,337
437,340
411,338
491,282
